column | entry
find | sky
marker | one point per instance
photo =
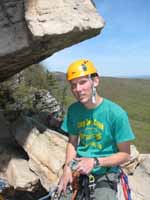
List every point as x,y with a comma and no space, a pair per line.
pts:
123,47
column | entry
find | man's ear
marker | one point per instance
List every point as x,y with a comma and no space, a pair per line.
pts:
96,81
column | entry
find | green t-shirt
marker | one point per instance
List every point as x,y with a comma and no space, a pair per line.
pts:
99,129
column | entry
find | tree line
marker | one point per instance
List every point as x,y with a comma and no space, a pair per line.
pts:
22,85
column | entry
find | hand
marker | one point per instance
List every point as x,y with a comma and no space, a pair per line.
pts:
85,165
65,179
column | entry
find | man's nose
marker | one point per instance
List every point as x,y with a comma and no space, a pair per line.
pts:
78,87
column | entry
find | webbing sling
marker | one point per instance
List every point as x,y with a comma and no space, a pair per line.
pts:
87,187
125,185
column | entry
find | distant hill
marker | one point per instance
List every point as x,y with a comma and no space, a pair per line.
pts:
143,77
133,94
60,76
137,77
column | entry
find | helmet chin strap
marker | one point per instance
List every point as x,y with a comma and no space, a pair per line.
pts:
93,95
93,91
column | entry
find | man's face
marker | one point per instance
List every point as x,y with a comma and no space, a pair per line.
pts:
82,89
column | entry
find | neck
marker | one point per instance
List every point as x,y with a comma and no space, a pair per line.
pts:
98,101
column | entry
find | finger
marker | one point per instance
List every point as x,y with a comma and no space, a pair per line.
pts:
78,159
64,189
79,169
71,179
82,171
60,188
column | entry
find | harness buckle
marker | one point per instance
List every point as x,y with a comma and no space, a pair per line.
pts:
91,178
92,183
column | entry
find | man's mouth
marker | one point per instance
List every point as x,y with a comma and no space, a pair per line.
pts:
81,96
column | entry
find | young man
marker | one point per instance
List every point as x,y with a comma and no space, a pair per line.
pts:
99,135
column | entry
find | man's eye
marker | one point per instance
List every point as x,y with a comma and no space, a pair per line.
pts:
83,82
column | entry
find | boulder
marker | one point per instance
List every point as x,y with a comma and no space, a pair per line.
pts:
140,180
32,30
45,148
138,171
15,173
20,176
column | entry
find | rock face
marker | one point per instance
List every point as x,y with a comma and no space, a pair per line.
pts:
31,30
45,148
23,179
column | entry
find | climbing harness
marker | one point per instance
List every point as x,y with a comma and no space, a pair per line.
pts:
83,186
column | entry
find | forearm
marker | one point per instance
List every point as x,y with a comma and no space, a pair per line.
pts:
70,153
114,160
67,172
71,149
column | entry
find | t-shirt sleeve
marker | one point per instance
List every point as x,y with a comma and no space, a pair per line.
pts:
122,129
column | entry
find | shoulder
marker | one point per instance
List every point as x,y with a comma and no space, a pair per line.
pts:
114,109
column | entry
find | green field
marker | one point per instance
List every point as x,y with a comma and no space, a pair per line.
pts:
134,96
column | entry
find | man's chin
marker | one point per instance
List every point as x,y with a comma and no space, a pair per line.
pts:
83,101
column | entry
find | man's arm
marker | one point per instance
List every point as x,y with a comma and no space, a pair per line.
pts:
70,155
118,158
85,165
71,149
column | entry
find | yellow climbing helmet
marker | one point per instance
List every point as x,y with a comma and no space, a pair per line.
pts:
80,68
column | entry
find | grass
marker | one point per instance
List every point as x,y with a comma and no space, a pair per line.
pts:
142,132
